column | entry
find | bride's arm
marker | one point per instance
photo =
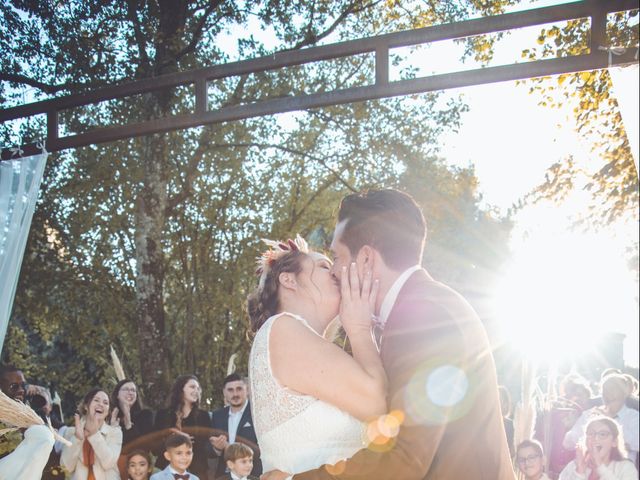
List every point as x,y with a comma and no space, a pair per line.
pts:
309,364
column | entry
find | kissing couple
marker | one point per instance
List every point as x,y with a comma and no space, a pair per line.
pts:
417,398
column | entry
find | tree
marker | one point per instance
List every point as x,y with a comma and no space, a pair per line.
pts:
614,184
173,220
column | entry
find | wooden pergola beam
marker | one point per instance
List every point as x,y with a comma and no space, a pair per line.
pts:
381,87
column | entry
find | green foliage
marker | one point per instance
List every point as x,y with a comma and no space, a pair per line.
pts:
614,185
204,197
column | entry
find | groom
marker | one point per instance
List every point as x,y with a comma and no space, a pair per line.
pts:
443,390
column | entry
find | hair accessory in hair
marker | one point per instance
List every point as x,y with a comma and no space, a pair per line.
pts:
275,252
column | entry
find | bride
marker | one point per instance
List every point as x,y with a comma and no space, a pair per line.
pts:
309,398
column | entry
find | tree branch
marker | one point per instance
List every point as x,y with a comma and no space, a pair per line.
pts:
197,33
293,151
133,18
45,87
312,39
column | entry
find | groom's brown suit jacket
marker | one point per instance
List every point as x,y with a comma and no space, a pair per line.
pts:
442,378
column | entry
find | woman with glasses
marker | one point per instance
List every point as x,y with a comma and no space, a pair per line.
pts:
530,460
602,456
184,416
129,414
615,392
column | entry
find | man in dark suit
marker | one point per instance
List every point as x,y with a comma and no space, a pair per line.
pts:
233,423
444,420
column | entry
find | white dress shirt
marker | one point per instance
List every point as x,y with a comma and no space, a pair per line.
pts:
234,422
392,295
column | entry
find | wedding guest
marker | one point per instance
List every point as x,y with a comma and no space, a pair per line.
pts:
40,401
602,456
233,423
239,460
13,385
128,414
178,452
615,391
530,460
138,465
184,416
95,445
632,400
632,384
575,393
575,396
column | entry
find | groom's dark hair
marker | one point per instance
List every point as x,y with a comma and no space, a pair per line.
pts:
388,220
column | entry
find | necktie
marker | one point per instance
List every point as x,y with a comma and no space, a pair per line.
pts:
177,476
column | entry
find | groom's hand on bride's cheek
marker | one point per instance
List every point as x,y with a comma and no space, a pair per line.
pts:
275,475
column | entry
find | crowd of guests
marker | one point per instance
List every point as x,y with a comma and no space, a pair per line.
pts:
113,436
586,436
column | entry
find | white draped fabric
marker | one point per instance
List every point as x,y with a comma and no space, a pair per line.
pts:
625,89
19,186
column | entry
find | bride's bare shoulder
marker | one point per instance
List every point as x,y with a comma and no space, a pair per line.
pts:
288,330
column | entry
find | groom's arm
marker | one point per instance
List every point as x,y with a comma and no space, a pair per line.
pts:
408,350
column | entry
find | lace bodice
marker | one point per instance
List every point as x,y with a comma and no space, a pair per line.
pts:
295,432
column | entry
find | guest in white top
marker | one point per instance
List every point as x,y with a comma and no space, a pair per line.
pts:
615,391
530,460
602,456
95,445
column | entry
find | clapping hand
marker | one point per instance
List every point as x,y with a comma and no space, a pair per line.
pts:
583,459
126,414
79,429
91,425
114,421
219,442
357,304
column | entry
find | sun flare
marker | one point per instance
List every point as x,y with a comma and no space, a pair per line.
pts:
561,294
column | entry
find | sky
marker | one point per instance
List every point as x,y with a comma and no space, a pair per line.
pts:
511,141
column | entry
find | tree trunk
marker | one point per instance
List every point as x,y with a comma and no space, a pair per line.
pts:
150,221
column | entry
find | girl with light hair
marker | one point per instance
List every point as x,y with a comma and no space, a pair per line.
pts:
602,455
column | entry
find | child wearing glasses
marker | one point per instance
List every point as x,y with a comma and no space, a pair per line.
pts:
530,460
602,456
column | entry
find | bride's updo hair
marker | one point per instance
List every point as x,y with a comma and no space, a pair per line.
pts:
264,302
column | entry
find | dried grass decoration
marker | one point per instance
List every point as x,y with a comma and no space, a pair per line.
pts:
19,415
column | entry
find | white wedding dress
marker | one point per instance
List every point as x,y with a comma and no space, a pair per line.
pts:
295,432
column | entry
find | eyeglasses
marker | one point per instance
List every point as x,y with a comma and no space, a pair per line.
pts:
600,435
528,458
14,387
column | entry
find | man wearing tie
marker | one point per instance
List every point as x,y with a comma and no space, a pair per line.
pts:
233,423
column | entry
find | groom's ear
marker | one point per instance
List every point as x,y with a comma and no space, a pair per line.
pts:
288,280
366,257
